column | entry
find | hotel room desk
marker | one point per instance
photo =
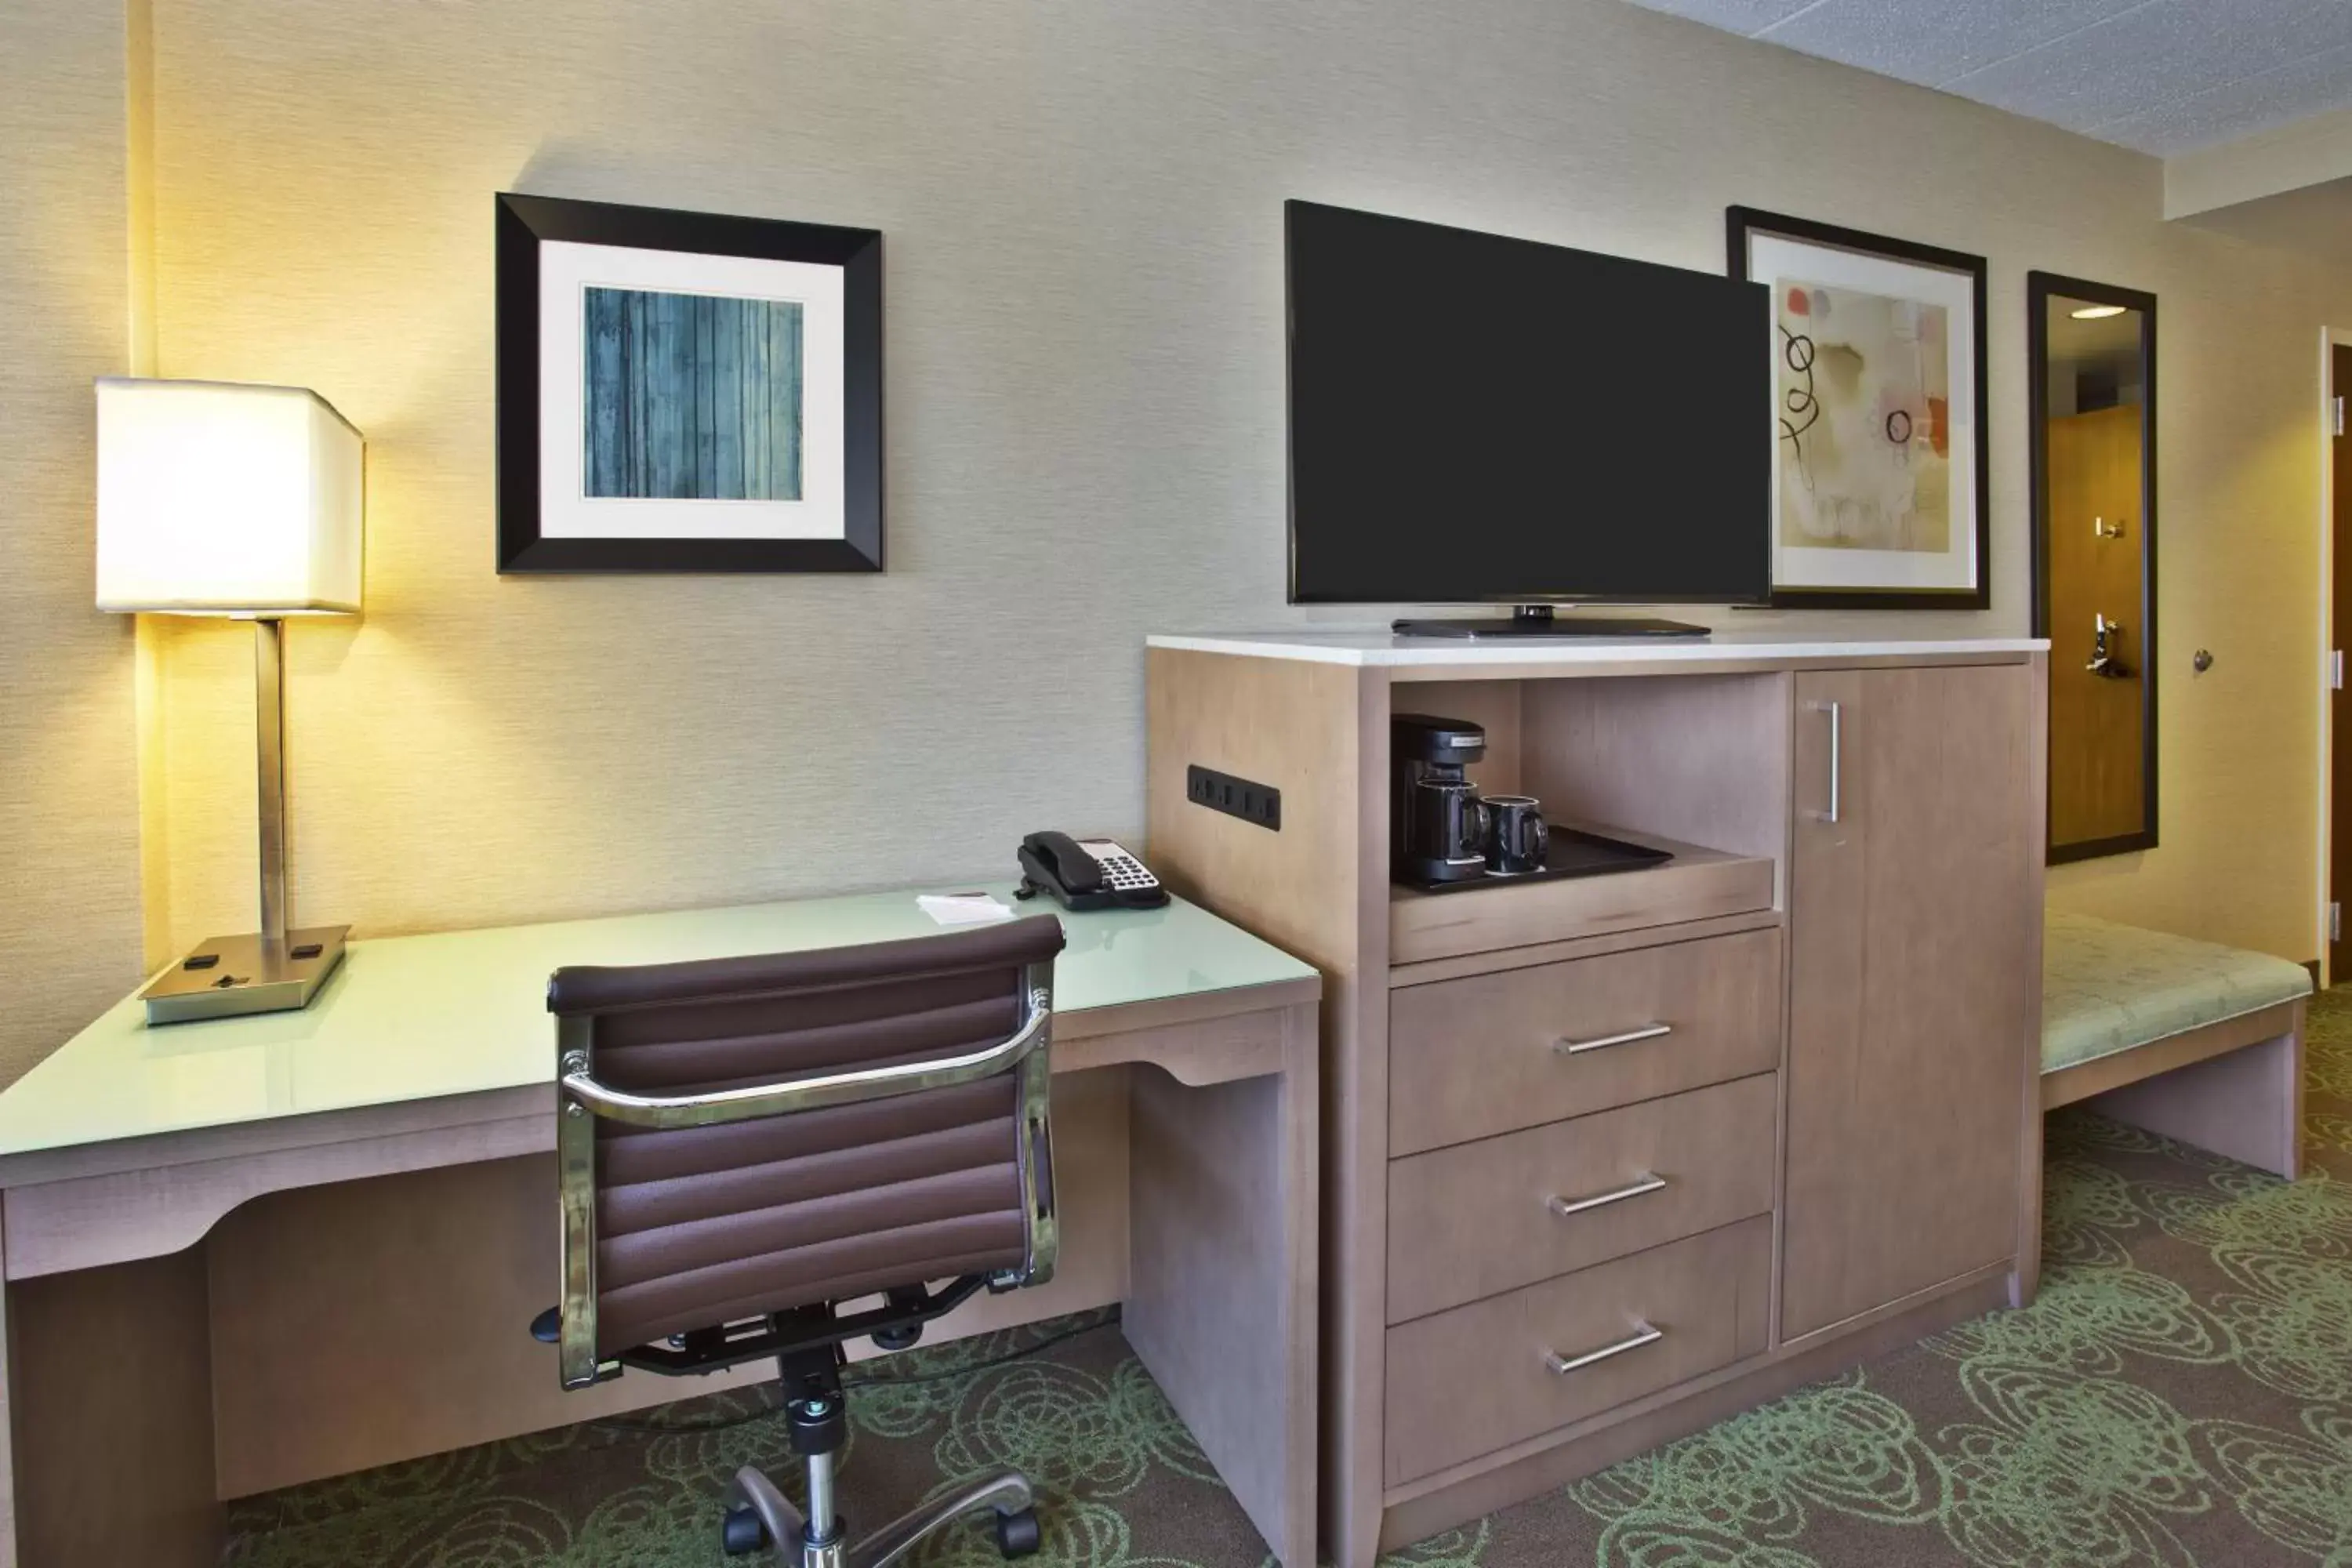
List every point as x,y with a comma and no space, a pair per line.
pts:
295,1340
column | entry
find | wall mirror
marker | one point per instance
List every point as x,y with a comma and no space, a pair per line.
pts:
2092,356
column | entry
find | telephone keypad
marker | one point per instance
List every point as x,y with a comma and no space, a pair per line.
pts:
1121,869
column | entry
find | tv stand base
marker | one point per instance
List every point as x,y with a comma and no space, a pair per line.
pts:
1538,621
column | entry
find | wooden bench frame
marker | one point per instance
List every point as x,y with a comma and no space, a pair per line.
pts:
2234,1087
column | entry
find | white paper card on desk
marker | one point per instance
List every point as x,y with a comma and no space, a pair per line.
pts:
963,908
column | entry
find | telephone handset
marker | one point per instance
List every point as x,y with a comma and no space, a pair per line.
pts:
1087,874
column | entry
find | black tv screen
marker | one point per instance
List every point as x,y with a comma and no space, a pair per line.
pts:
1477,419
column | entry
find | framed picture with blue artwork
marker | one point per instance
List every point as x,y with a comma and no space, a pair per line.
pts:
1879,473
686,391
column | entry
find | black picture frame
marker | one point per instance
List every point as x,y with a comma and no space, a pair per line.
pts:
523,224
1740,222
2040,287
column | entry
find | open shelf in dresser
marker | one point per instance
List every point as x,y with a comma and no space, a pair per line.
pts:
1699,883
1694,764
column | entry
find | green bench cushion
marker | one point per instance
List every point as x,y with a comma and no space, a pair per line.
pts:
2108,987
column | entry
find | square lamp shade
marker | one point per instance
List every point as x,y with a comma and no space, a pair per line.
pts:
216,499
221,499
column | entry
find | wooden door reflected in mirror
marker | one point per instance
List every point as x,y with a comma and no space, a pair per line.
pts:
2092,356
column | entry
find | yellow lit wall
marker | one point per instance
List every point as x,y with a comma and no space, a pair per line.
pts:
2238,541
1084,375
68,794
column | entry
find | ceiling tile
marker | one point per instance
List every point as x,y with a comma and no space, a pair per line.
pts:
2312,85
1932,43
2155,54
2162,76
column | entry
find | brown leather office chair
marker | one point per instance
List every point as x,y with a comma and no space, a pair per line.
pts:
749,1146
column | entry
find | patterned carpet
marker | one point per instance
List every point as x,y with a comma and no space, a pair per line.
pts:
2182,1395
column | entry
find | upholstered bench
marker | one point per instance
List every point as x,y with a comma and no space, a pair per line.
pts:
2199,1042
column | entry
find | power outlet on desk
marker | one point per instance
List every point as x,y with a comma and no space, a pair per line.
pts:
1257,803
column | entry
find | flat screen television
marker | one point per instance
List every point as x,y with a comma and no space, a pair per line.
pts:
1476,419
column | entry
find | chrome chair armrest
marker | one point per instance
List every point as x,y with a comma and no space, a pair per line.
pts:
581,1089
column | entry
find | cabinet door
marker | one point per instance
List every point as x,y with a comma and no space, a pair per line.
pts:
1914,982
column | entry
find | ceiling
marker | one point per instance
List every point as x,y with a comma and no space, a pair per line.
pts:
2094,339
2162,76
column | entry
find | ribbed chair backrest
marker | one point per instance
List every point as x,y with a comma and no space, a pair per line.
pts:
744,1136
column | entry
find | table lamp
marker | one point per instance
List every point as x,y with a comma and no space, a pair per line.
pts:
221,498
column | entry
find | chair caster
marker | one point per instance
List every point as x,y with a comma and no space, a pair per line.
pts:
1016,1533
743,1534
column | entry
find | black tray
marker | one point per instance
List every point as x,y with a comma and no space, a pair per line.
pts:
1573,853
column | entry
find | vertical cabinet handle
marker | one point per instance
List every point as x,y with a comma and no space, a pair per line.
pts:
1837,769
1642,1334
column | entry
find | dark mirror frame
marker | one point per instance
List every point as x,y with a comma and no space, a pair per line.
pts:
2040,287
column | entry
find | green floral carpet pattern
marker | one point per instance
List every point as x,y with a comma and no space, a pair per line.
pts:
2181,1395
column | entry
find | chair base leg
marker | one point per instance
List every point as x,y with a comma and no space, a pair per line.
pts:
1008,1495
778,1522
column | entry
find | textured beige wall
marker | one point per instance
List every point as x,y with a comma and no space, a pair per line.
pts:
2237,542
1082,206
68,796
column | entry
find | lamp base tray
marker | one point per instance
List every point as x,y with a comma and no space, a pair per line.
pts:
228,976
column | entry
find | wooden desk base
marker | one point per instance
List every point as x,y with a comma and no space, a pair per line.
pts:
320,1329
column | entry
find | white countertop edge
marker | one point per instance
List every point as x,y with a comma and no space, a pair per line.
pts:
1593,650
1311,653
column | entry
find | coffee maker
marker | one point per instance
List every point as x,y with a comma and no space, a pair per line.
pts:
1439,823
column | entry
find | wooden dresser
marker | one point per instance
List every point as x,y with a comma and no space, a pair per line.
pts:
1608,1159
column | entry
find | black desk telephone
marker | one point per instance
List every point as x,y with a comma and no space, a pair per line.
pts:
1087,874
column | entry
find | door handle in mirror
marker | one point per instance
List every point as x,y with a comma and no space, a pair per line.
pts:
2104,634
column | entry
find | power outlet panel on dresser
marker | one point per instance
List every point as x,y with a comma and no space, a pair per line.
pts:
1608,1158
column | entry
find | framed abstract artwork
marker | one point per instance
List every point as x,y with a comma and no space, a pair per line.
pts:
686,391
1879,476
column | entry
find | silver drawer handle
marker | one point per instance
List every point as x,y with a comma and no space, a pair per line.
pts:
1647,1181
1642,1334
1647,1032
1837,728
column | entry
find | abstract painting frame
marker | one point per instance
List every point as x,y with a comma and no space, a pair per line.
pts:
686,391
1881,478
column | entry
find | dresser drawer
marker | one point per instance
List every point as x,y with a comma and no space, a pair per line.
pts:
1494,1053
1481,1218
1494,1372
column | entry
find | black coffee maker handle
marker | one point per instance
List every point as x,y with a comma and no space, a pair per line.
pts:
1539,839
1477,822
